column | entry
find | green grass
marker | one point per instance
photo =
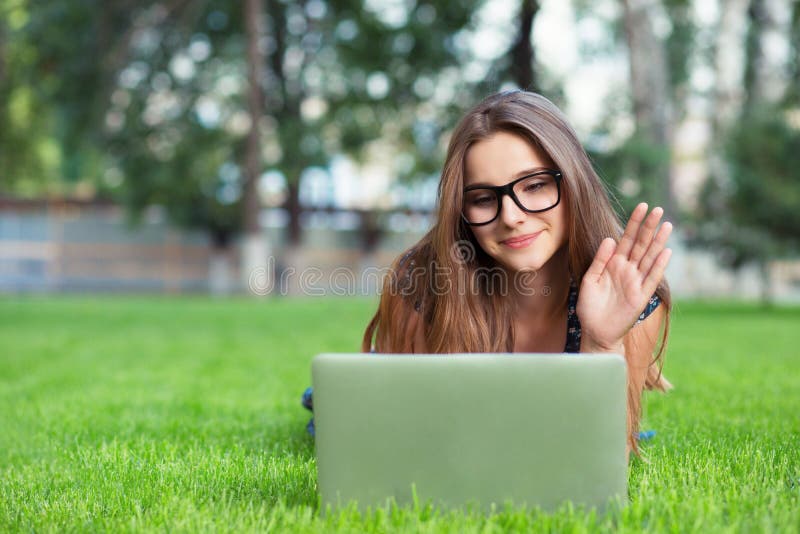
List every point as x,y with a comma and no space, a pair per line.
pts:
130,414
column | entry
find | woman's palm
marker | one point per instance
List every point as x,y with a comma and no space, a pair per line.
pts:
622,278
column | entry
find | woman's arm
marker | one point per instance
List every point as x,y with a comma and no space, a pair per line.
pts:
615,288
640,347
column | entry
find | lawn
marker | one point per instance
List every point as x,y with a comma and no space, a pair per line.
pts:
183,414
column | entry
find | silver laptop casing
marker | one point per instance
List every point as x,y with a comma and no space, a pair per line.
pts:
466,430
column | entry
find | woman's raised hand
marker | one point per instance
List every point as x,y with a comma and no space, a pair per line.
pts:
621,279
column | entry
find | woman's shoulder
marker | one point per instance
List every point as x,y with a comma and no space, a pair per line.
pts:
408,275
416,256
652,304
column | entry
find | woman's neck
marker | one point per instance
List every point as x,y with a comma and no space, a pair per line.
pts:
543,293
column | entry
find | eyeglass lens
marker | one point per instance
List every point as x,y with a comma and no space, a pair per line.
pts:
535,193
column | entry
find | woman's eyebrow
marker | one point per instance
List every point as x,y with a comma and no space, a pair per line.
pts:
526,172
514,176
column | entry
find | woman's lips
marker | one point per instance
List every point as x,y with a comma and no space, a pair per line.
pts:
521,241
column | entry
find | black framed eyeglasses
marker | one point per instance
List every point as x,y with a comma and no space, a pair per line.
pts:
533,193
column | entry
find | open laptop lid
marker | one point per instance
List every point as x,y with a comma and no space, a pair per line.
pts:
470,429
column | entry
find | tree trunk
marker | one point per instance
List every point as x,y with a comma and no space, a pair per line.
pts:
2,55
728,60
5,91
255,250
754,54
220,270
370,230
765,73
792,96
766,283
522,53
287,95
649,79
255,106
220,273
295,231
294,254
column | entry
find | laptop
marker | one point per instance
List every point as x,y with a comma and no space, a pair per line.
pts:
470,430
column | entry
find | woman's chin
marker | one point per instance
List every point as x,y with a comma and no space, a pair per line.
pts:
534,260
529,259
521,265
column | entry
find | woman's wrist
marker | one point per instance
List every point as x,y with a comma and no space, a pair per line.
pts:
589,344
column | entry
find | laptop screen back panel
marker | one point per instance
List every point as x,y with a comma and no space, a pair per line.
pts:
533,430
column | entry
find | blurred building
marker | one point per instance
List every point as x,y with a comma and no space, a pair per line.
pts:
89,246
84,246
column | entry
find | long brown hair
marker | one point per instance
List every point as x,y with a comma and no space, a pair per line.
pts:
440,284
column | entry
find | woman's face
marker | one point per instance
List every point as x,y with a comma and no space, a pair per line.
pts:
516,239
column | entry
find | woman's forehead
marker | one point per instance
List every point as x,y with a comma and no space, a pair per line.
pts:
502,157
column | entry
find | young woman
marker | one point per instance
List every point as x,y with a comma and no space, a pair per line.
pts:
527,255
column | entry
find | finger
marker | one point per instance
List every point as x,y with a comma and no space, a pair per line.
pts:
656,246
629,236
601,257
645,235
656,273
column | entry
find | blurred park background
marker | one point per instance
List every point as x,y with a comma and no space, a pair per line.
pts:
196,147
181,146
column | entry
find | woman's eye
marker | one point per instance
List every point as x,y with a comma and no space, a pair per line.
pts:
482,201
531,188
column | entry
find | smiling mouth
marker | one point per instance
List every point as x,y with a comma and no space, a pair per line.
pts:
521,241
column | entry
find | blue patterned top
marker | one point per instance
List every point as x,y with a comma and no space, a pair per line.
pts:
574,325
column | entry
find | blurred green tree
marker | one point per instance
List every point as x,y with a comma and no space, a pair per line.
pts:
30,157
749,211
659,43
135,87
147,101
345,73
754,216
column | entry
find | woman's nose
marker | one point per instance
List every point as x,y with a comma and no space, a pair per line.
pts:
510,213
